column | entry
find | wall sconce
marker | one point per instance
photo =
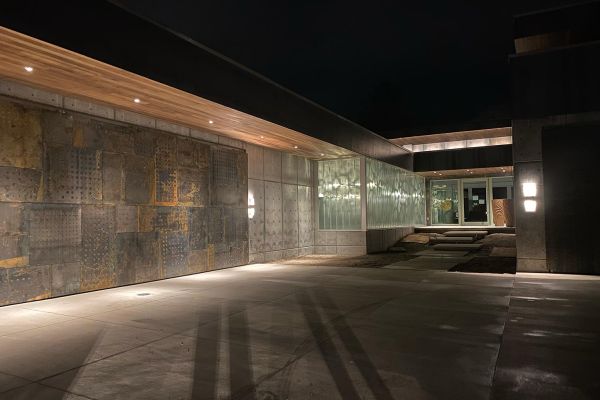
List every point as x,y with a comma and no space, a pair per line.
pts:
530,205
251,204
529,189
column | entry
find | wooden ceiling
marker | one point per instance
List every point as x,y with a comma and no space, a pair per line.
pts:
454,136
469,173
69,73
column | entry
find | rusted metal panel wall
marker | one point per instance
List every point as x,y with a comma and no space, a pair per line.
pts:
89,204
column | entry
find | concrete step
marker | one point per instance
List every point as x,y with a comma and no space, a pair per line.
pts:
457,246
453,239
473,234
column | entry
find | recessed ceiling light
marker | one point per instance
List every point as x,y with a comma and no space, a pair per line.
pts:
28,69
137,101
322,154
262,137
295,147
210,121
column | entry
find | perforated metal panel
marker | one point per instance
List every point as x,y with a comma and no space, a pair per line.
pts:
74,175
174,249
166,170
54,226
198,228
193,187
19,184
98,247
224,168
229,183
126,218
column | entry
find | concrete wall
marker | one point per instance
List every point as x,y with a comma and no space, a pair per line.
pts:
89,203
528,167
281,185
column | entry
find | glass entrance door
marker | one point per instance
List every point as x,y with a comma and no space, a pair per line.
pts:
475,201
444,202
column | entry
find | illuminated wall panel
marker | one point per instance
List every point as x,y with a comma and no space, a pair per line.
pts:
339,194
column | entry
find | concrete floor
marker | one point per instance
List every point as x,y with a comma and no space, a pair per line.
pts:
300,332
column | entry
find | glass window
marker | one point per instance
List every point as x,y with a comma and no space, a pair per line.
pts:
475,201
395,196
339,194
444,202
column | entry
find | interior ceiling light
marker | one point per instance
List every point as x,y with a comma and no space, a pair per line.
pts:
28,69
137,100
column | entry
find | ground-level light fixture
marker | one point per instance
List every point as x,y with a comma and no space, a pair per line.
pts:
530,205
28,68
529,189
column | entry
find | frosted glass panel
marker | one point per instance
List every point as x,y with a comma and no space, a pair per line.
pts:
395,197
339,194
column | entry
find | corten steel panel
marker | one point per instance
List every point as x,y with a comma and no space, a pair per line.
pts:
54,234
74,175
272,165
21,136
229,178
138,175
98,253
20,184
304,171
56,129
305,217
146,257
29,283
198,261
144,142
66,278
163,219
192,187
290,216
112,177
174,250
216,229
198,228
273,217
256,229
570,196
126,218
12,219
289,168
165,178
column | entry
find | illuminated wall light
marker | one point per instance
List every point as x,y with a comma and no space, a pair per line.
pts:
529,189
530,205
28,69
251,204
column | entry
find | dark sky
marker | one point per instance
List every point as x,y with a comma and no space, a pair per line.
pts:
392,66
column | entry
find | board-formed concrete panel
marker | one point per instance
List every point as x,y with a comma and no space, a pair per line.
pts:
273,216
256,215
290,216
255,161
305,217
289,168
272,165
304,171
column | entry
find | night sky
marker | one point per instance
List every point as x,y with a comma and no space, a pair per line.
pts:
396,68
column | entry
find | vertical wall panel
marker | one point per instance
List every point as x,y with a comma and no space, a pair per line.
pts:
290,216
256,215
273,216
272,165
289,168
305,217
